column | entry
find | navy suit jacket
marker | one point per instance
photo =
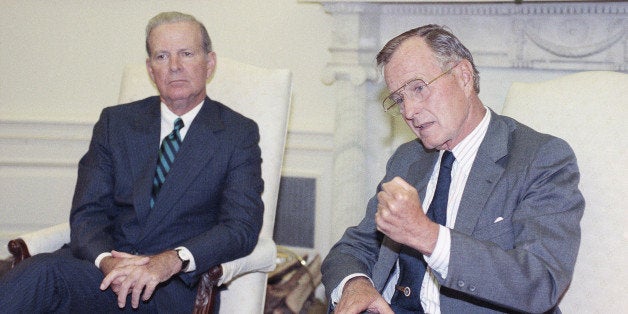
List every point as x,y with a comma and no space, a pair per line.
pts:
210,202
522,261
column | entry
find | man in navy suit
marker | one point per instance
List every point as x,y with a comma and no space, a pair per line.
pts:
132,248
509,232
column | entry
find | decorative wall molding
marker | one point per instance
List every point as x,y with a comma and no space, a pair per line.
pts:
495,9
43,144
612,34
556,35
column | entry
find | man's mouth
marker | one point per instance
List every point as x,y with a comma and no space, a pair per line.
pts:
181,81
424,125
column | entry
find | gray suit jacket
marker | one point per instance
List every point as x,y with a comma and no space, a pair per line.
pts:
210,202
521,263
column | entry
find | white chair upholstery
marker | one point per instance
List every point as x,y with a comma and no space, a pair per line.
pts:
590,111
262,95
47,239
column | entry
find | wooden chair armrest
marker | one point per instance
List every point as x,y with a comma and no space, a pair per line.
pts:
19,250
207,291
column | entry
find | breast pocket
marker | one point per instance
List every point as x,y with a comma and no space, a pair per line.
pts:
500,233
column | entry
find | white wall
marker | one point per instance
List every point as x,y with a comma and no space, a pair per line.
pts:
62,59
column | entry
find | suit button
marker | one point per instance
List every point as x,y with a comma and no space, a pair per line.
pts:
460,283
472,288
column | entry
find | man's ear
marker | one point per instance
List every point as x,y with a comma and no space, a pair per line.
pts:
465,71
149,69
211,63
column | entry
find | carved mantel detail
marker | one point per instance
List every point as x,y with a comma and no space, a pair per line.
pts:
354,42
555,36
543,35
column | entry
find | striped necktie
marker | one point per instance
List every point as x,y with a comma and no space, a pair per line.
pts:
169,147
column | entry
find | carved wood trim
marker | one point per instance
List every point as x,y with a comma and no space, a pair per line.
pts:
207,291
19,250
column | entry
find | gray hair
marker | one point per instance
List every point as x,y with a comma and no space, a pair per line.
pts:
446,47
176,17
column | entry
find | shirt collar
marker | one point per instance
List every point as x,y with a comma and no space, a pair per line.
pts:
168,117
470,144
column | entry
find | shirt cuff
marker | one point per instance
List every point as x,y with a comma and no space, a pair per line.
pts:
337,293
100,257
192,265
439,260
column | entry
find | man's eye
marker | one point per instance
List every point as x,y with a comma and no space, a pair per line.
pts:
397,99
188,53
161,57
418,88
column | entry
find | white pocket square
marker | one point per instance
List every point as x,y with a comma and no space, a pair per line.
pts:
498,219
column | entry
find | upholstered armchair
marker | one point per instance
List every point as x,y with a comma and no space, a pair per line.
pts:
590,111
258,93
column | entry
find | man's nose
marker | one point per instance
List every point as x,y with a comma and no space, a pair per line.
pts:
175,63
411,107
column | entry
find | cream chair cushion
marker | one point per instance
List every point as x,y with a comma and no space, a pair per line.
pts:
590,111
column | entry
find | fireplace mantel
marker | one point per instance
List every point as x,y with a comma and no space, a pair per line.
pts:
539,35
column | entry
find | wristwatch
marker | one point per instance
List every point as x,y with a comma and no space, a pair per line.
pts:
185,257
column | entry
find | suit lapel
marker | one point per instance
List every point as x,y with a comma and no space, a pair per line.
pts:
484,175
419,174
197,149
143,150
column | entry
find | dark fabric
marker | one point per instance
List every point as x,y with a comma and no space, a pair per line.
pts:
42,286
5,266
438,207
412,266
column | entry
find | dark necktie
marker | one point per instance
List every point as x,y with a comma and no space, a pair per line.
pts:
438,207
412,266
169,147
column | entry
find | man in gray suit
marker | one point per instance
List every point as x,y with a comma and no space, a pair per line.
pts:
137,241
496,231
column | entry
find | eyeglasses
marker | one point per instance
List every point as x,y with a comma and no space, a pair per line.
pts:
394,103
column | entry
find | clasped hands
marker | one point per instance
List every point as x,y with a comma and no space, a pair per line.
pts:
399,216
133,274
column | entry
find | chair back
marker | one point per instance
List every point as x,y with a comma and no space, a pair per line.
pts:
590,111
263,95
